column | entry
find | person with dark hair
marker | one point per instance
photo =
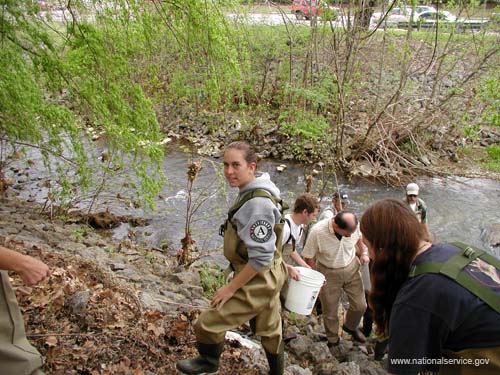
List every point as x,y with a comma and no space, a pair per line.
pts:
435,320
252,244
17,355
331,249
305,209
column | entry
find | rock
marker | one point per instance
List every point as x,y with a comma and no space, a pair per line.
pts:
73,247
491,235
326,368
281,167
363,169
300,346
171,296
78,302
148,302
189,278
297,370
348,368
117,266
194,290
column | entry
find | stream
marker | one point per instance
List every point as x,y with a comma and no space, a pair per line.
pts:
459,209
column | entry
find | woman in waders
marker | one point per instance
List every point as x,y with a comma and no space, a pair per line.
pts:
252,244
439,303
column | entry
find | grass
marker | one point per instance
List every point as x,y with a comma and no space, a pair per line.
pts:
493,164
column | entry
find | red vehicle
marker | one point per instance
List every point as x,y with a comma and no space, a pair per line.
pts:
307,8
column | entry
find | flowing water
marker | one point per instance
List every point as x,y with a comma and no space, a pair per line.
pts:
459,209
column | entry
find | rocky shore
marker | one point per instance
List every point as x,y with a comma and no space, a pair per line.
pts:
117,308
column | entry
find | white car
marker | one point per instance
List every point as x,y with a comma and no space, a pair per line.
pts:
442,16
429,19
402,14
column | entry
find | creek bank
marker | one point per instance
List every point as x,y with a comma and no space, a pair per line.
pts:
115,307
446,153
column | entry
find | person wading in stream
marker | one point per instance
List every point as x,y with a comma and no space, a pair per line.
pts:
252,244
439,303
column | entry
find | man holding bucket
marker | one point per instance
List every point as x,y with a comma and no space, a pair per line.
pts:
331,249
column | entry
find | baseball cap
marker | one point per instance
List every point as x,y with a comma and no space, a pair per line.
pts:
343,196
412,189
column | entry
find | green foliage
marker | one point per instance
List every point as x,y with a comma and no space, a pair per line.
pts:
304,125
82,232
55,85
494,158
212,278
489,95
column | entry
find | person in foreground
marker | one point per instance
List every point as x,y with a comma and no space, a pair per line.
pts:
17,355
434,323
252,244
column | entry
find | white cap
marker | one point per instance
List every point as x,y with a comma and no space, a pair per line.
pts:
412,189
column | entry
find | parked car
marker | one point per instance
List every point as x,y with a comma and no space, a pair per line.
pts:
442,16
305,9
430,19
402,14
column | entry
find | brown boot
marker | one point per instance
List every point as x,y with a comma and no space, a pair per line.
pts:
356,334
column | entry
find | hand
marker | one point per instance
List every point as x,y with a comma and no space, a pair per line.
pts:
293,272
364,259
222,296
33,271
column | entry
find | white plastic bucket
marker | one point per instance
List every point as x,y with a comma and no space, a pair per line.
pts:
302,294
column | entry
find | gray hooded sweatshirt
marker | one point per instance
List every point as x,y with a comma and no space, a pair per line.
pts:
255,222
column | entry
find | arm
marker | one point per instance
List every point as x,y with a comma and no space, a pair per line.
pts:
31,270
298,259
292,271
224,293
363,251
310,249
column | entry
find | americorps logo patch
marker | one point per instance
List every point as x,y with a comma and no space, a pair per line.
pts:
261,231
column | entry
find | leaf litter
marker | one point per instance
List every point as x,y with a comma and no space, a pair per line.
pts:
112,334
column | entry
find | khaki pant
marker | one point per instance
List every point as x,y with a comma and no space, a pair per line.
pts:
337,279
17,355
257,301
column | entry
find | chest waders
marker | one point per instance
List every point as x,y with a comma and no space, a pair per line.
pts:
257,301
17,355
470,268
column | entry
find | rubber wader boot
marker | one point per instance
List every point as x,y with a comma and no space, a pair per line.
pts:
276,362
206,363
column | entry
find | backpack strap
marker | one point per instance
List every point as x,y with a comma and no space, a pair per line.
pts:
290,237
278,202
453,268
